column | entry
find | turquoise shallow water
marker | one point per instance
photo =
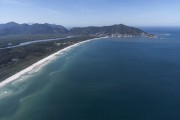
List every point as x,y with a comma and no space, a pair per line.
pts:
106,79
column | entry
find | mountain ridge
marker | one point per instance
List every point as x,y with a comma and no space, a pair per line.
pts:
13,28
117,30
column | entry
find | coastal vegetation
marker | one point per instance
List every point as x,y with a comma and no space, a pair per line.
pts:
14,59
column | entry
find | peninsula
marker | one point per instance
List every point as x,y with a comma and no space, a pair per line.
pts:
46,39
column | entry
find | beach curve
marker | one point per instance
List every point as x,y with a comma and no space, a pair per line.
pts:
39,64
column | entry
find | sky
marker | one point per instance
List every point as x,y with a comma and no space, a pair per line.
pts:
71,13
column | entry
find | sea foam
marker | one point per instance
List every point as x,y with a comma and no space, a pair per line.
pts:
38,65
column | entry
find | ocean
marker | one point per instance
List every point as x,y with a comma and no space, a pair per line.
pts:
105,79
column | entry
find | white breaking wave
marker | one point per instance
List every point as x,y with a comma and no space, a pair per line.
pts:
38,65
17,83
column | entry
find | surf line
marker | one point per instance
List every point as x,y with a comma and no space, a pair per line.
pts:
41,62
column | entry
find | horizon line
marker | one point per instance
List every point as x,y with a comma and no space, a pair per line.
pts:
68,26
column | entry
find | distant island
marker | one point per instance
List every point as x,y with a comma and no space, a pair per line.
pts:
49,38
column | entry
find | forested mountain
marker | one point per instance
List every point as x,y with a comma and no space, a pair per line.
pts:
119,30
13,28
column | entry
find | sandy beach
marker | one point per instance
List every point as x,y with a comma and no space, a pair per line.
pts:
38,65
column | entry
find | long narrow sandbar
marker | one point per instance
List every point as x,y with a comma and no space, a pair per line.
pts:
39,64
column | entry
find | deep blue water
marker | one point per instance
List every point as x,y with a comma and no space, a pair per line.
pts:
106,79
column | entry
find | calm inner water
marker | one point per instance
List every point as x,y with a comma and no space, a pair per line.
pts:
106,79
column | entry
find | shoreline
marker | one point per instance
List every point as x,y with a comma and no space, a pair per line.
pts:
37,65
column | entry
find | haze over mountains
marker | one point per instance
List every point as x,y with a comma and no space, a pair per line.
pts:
13,28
